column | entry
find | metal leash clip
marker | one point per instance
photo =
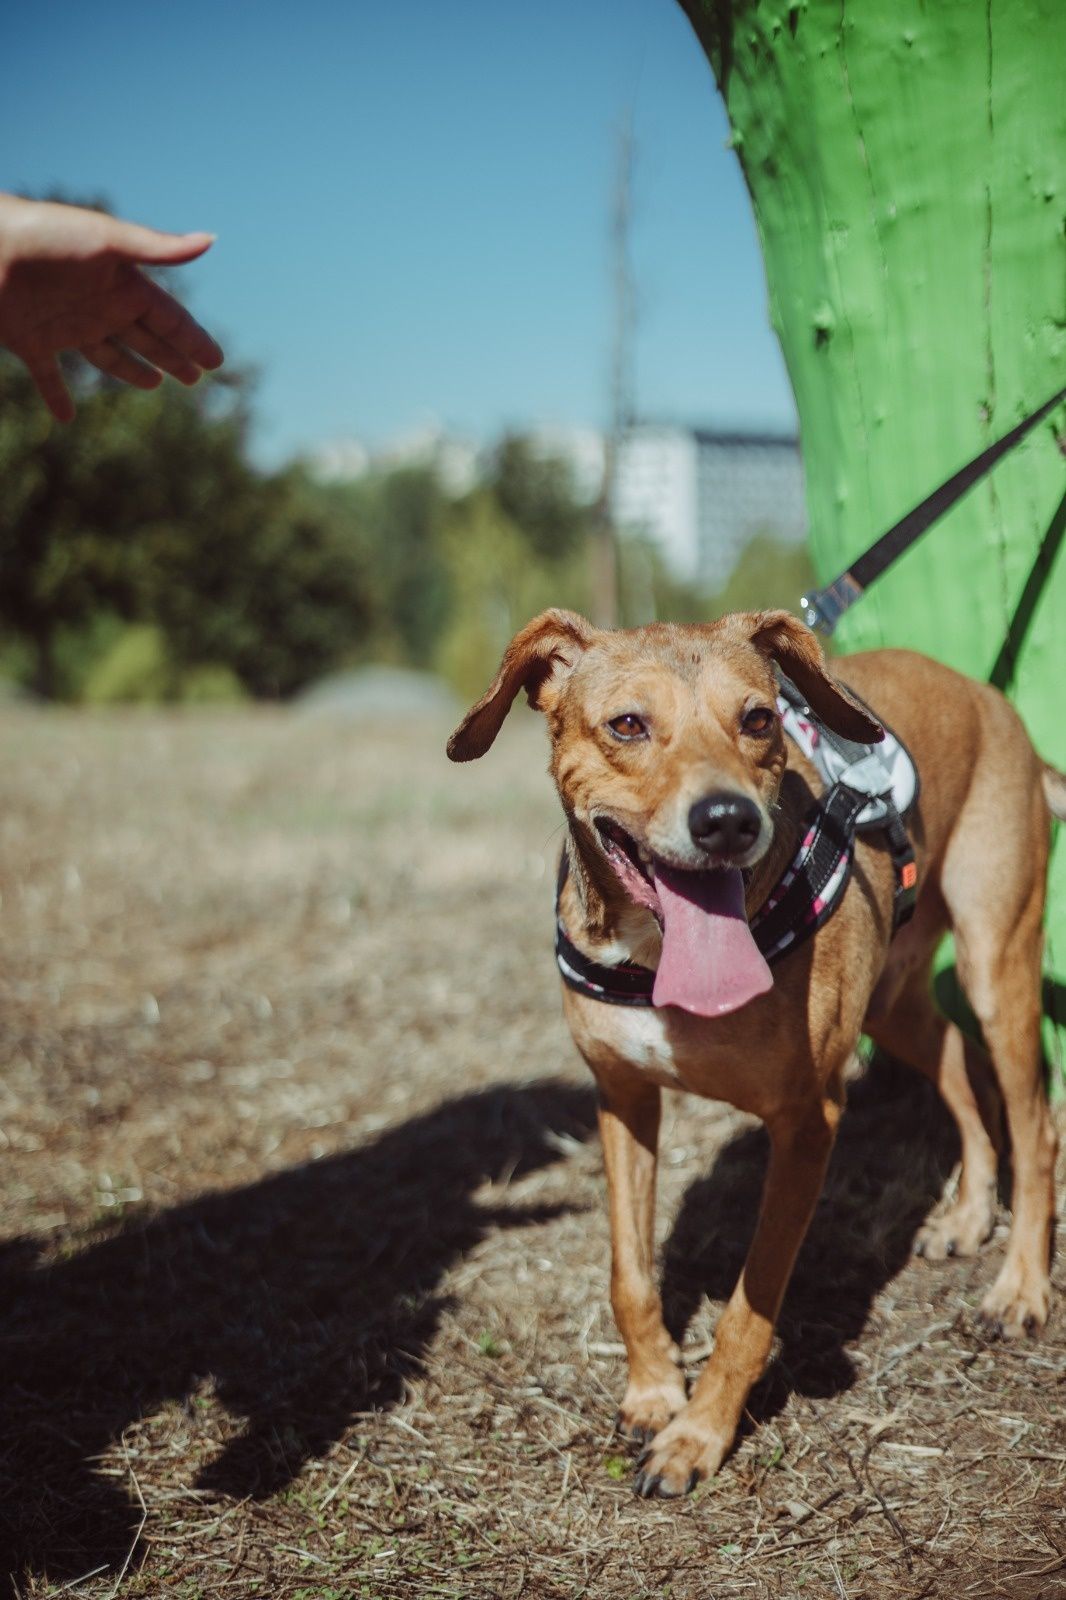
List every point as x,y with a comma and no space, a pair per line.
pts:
823,609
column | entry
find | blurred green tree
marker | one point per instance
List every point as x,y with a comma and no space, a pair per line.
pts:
538,492
51,575
394,520
148,509
499,579
771,572
147,515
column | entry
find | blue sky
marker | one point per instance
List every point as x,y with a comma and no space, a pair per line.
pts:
412,199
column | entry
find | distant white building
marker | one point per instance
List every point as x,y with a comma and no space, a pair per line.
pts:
702,495
340,459
455,461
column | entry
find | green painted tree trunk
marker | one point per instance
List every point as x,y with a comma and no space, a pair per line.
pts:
907,166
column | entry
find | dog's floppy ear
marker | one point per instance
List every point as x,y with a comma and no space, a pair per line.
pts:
799,655
538,660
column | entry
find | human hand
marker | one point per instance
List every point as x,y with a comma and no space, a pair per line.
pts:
70,280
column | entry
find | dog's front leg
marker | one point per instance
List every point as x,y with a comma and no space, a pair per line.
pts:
629,1128
695,1444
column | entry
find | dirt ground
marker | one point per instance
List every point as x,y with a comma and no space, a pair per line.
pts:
304,1263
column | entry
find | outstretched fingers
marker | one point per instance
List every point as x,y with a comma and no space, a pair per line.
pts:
138,243
161,354
113,358
166,320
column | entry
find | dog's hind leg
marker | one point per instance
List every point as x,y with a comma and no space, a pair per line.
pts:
993,882
1003,986
629,1128
914,1032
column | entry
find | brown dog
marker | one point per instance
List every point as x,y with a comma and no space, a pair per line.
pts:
670,761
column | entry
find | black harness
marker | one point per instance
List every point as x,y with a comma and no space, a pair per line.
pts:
813,885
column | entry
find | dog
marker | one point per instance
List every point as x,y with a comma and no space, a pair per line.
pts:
685,805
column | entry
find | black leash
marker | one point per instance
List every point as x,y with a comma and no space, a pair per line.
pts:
823,608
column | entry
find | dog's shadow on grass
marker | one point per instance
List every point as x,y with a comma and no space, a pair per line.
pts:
309,1296
894,1150
302,1299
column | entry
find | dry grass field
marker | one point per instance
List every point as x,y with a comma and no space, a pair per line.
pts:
303,1270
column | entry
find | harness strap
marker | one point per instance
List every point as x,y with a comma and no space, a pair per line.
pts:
887,806
625,985
807,895
803,900
905,894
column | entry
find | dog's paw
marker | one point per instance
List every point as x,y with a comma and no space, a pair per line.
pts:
677,1459
1016,1305
646,1410
961,1231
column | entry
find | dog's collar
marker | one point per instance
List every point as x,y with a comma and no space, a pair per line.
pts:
813,884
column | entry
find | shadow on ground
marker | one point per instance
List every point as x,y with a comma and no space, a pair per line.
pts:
308,1297
305,1298
895,1148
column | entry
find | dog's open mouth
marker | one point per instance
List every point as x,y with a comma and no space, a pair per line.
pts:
634,869
710,964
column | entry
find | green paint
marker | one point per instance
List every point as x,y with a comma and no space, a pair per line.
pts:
907,166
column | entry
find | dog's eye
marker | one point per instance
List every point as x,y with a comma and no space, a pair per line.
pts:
760,719
628,726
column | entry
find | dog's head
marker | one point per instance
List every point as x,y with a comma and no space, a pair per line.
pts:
667,749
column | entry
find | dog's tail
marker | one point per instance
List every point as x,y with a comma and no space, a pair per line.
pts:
1055,791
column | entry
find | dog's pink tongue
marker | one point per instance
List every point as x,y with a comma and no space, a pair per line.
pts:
710,963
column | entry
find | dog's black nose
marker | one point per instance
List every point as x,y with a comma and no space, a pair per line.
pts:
725,824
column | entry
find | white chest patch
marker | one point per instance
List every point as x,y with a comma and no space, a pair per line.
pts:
638,1034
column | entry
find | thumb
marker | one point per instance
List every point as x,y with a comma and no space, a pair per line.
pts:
129,239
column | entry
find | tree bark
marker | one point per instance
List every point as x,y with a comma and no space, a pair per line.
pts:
907,168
